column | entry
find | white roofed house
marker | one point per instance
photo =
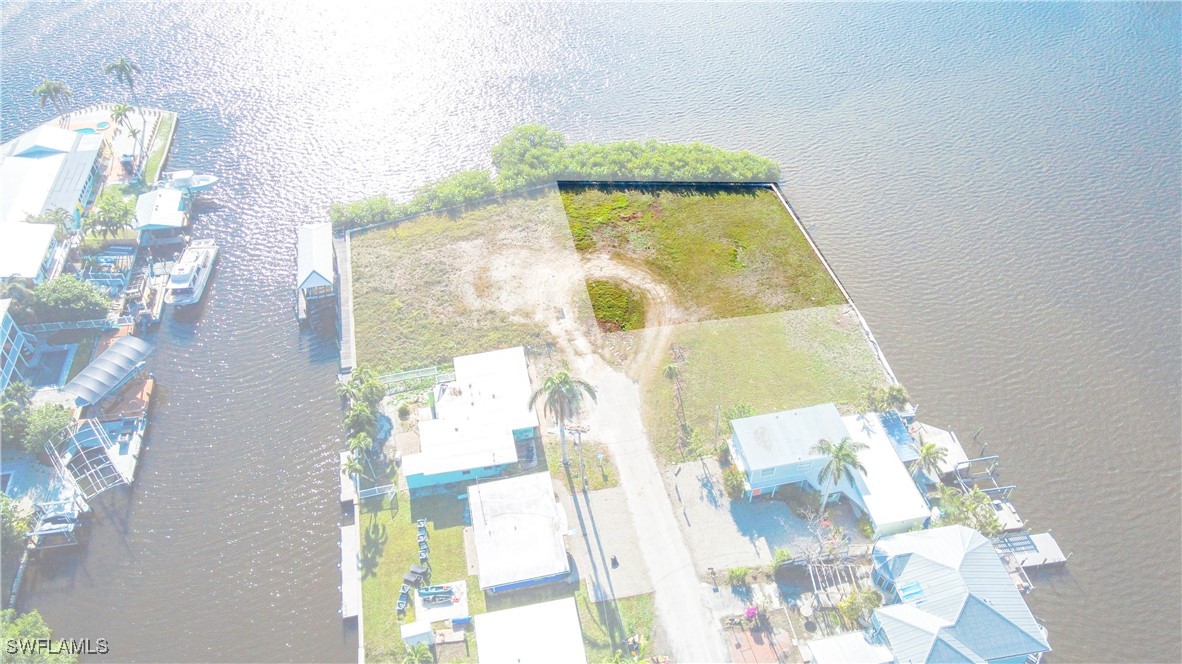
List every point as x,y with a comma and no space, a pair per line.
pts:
777,449
545,633
518,527
480,419
315,265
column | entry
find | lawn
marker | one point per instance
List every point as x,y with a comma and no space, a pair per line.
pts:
434,287
389,548
600,475
86,340
159,147
724,252
771,362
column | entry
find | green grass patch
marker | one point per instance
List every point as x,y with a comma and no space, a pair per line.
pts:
159,147
724,251
607,625
388,549
772,362
600,474
616,307
428,289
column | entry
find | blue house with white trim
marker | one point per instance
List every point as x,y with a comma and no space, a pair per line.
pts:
480,422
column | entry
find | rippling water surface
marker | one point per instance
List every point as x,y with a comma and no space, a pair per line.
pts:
998,186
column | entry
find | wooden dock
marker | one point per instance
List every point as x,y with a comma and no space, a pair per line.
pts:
1045,551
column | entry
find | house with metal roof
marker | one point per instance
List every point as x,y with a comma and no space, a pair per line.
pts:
517,529
48,168
162,215
776,449
951,600
478,422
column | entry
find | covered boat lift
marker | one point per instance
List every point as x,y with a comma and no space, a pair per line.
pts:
316,273
162,216
114,367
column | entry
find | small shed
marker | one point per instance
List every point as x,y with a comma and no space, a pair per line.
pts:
417,632
315,265
162,215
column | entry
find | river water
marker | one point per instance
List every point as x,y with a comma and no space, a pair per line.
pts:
997,185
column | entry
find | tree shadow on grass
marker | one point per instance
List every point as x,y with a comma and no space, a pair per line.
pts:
372,547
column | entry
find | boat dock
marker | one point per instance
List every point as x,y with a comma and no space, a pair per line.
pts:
1031,551
350,579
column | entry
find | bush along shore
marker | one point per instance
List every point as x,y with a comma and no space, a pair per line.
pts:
533,155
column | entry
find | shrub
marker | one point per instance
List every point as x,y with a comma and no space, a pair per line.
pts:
866,528
737,576
42,423
403,410
14,523
535,154
616,307
782,557
734,482
64,299
724,455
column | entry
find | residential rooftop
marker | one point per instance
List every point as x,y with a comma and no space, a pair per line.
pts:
786,437
518,527
533,634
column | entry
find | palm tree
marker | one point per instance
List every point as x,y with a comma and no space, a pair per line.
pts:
360,418
841,462
360,443
353,467
56,216
419,653
564,395
124,71
931,456
121,116
55,93
110,216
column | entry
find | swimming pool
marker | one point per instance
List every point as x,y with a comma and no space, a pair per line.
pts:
86,130
102,125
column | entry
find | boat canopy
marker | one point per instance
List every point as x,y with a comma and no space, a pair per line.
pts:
110,370
162,209
314,260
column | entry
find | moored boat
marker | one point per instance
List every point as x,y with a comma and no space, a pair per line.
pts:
188,180
190,274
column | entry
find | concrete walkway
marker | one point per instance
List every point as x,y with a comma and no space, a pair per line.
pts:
680,595
345,271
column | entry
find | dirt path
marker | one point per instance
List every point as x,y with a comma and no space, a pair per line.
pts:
616,421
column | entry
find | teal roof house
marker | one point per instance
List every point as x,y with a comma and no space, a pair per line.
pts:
955,601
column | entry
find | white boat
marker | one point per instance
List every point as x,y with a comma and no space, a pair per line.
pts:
188,180
187,279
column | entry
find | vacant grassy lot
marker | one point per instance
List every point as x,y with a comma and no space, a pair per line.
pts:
388,549
725,252
771,362
435,287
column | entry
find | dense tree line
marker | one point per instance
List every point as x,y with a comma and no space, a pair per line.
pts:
534,154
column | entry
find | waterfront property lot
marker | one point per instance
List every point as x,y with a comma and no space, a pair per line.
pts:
388,549
437,286
771,362
723,251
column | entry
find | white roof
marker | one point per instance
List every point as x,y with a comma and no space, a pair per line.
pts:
23,247
517,526
851,648
43,169
786,437
531,634
161,209
887,491
476,415
314,256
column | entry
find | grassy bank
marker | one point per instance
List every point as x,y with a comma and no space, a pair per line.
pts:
160,144
599,475
771,362
725,252
616,307
435,287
